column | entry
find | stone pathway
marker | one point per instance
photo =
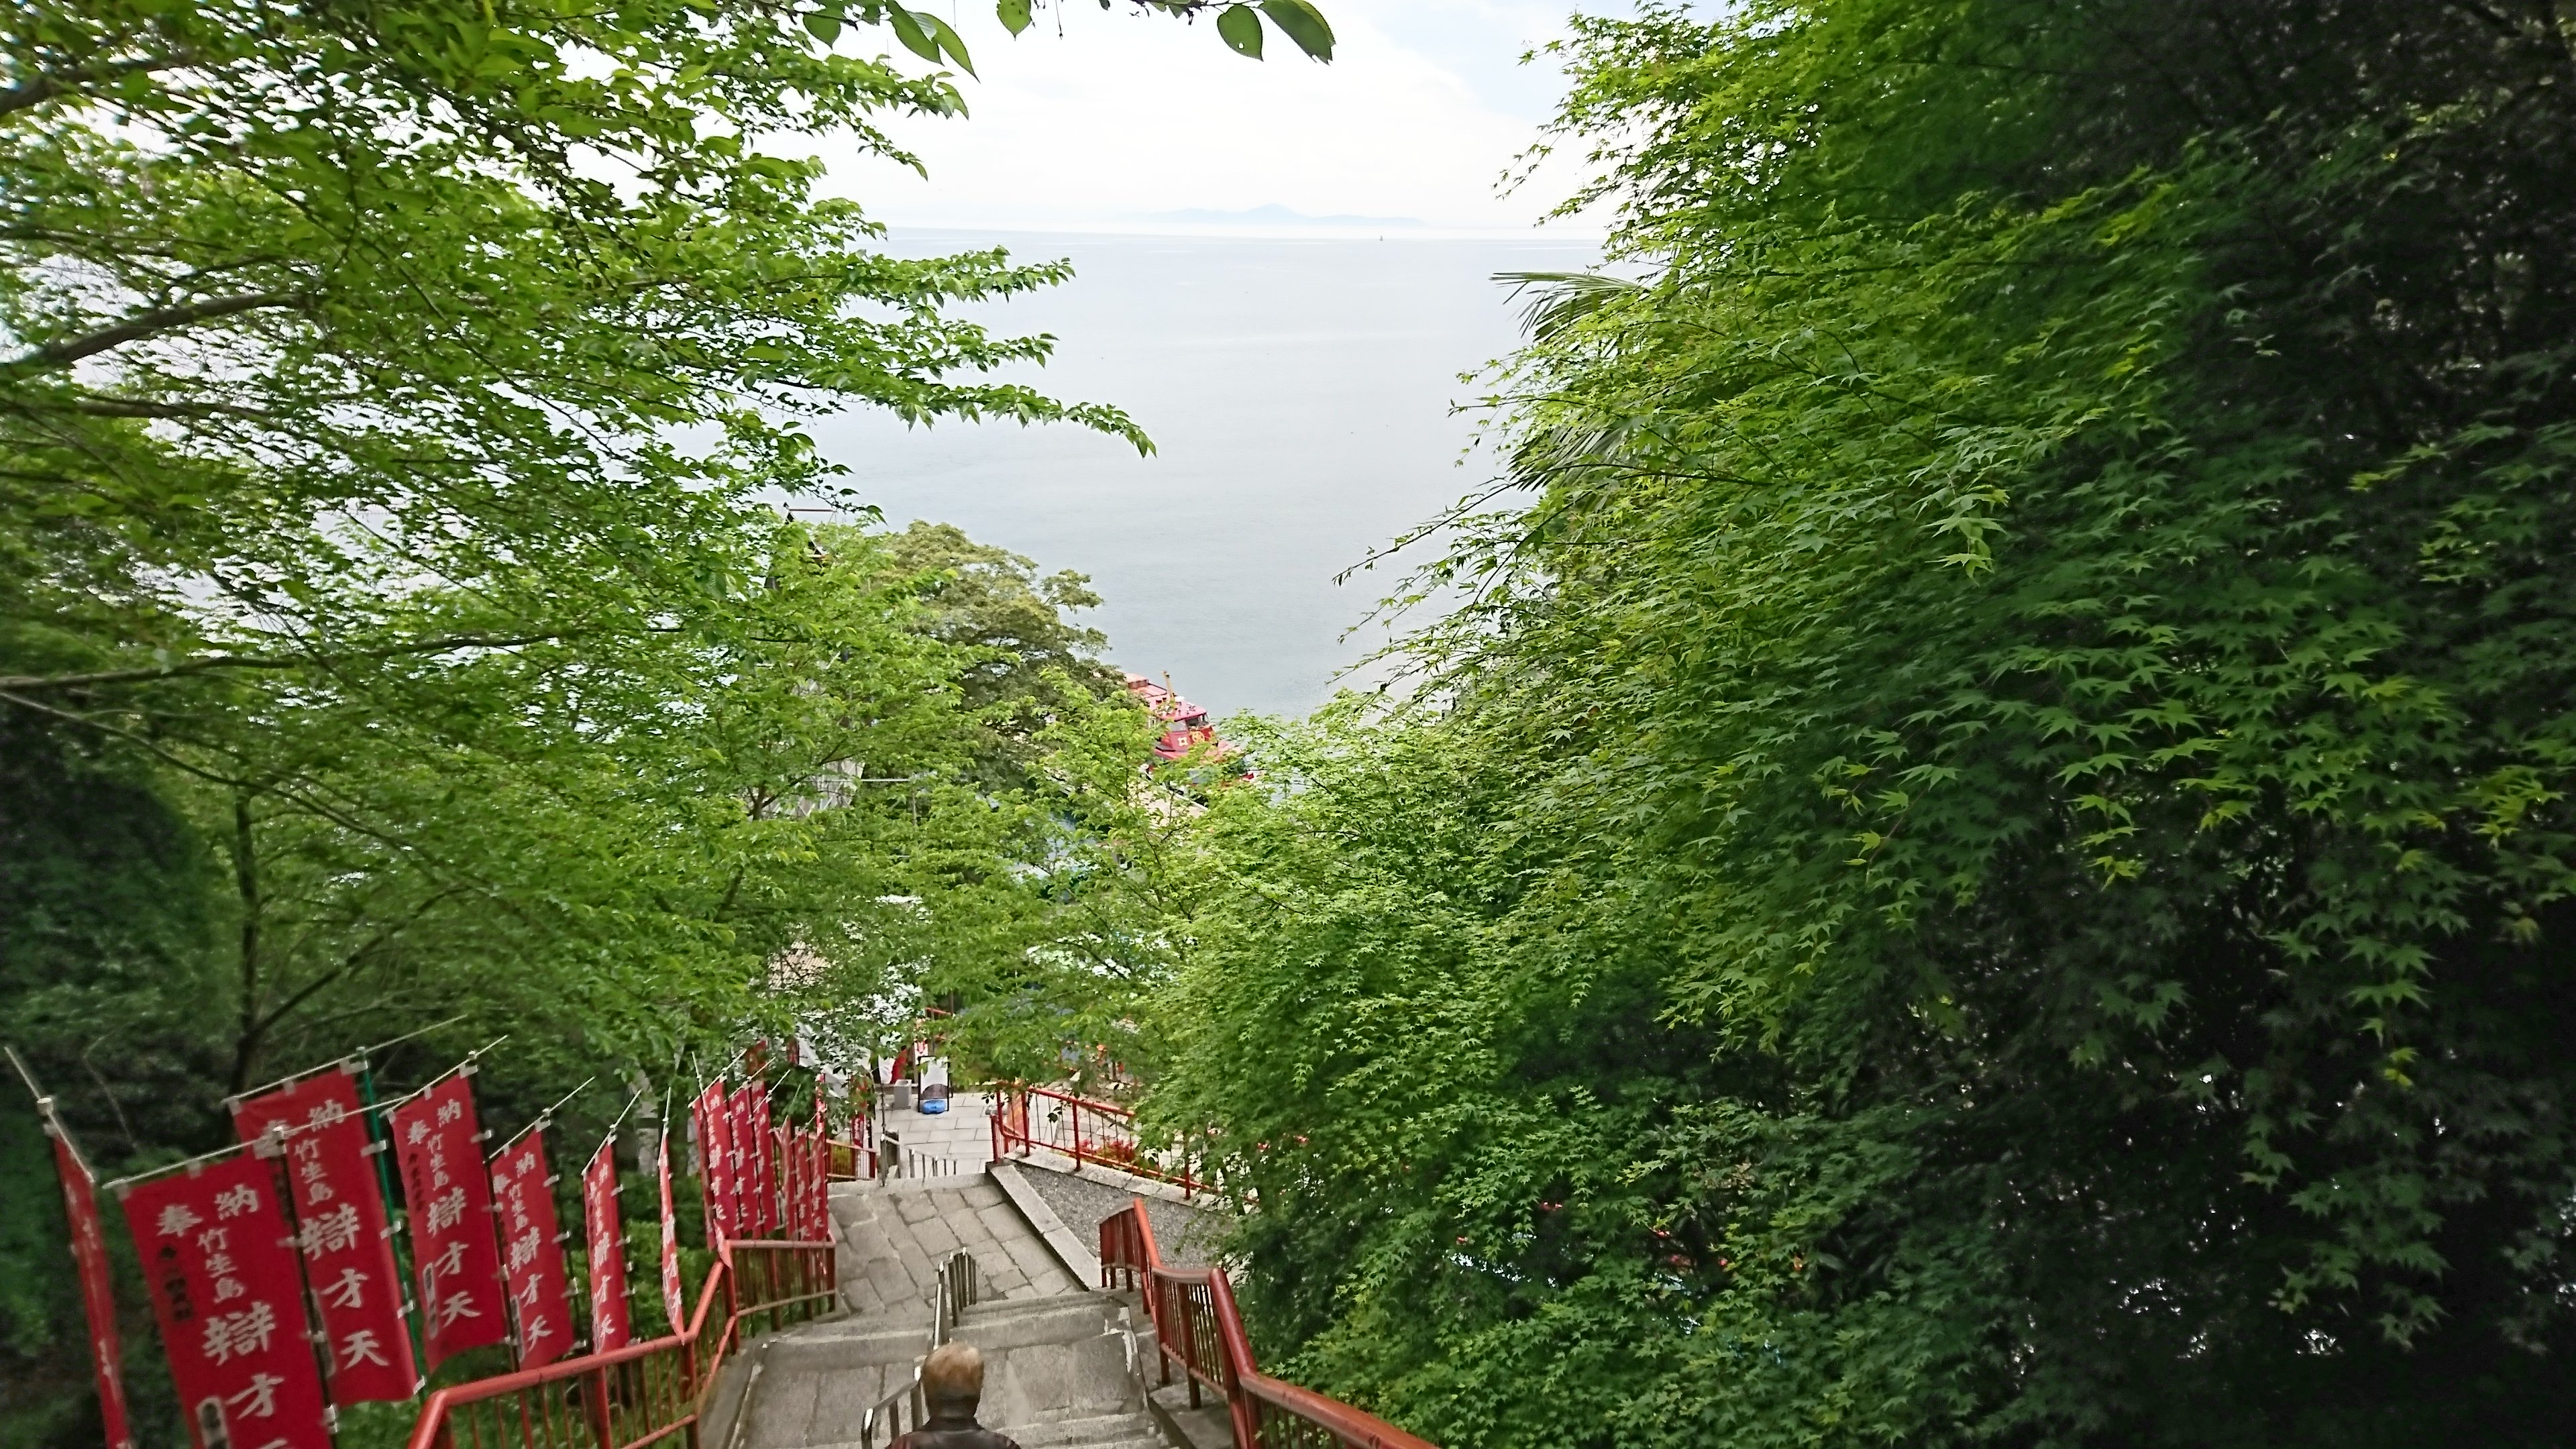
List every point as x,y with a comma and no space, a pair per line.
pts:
1058,1359
895,1236
962,1135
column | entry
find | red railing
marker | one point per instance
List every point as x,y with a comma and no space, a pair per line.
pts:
645,1392
853,1159
850,1161
1026,1118
1197,1327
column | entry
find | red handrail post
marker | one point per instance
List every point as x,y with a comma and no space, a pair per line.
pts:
595,1389
689,1364
1238,1358
1076,1106
733,1301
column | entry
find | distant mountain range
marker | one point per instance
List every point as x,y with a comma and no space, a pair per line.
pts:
1272,215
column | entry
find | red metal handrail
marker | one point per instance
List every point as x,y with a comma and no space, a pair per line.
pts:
850,1161
645,1392
1196,1325
1117,1147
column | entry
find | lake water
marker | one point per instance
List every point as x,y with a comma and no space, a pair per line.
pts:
1299,393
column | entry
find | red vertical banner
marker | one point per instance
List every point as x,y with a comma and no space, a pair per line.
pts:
348,1249
773,1148
773,1217
605,1233
437,1144
784,1156
748,1135
532,1260
811,1145
821,1186
98,1291
798,1165
791,1178
715,1161
820,1183
742,1157
817,1198
800,1182
773,1174
671,1296
221,1267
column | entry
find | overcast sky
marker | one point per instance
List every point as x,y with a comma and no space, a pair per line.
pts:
1098,119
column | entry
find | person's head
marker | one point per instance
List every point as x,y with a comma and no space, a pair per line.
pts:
952,1378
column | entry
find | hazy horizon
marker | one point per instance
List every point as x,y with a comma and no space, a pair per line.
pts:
1300,396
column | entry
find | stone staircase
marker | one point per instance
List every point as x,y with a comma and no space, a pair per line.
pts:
1058,1359
894,1237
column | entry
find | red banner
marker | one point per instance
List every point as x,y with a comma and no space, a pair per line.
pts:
749,1134
605,1232
532,1260
773,1176
671,1296
820,1185
98,1292
791,1182
348,1250
800,1182
221,1268
437,1143
716,1159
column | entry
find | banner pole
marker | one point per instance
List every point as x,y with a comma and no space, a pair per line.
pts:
380,1137
544,1117
466,1065
621,1114
165,1169
359,1055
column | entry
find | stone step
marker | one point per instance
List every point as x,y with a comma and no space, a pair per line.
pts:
1056,1358
790,1408
855,1344
1045,1322
1086,1430
893,1244
1037,1381
997,1311
1142,1440
1050,1381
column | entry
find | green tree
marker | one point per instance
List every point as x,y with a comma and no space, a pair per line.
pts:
1014,624
394,616
1989,860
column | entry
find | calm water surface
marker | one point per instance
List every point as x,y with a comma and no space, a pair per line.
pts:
1299,394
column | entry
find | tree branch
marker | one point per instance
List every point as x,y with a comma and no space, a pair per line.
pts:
302,800
269,661
40,88
145,324
351,961
119,407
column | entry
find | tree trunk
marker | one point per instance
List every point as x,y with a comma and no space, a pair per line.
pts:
246,880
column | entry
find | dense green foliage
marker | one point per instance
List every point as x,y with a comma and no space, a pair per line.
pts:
1013,624
396,618
1990,860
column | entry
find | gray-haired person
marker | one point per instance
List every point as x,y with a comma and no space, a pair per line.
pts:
952,1379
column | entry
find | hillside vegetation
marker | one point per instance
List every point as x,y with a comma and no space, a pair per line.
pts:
1989,861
